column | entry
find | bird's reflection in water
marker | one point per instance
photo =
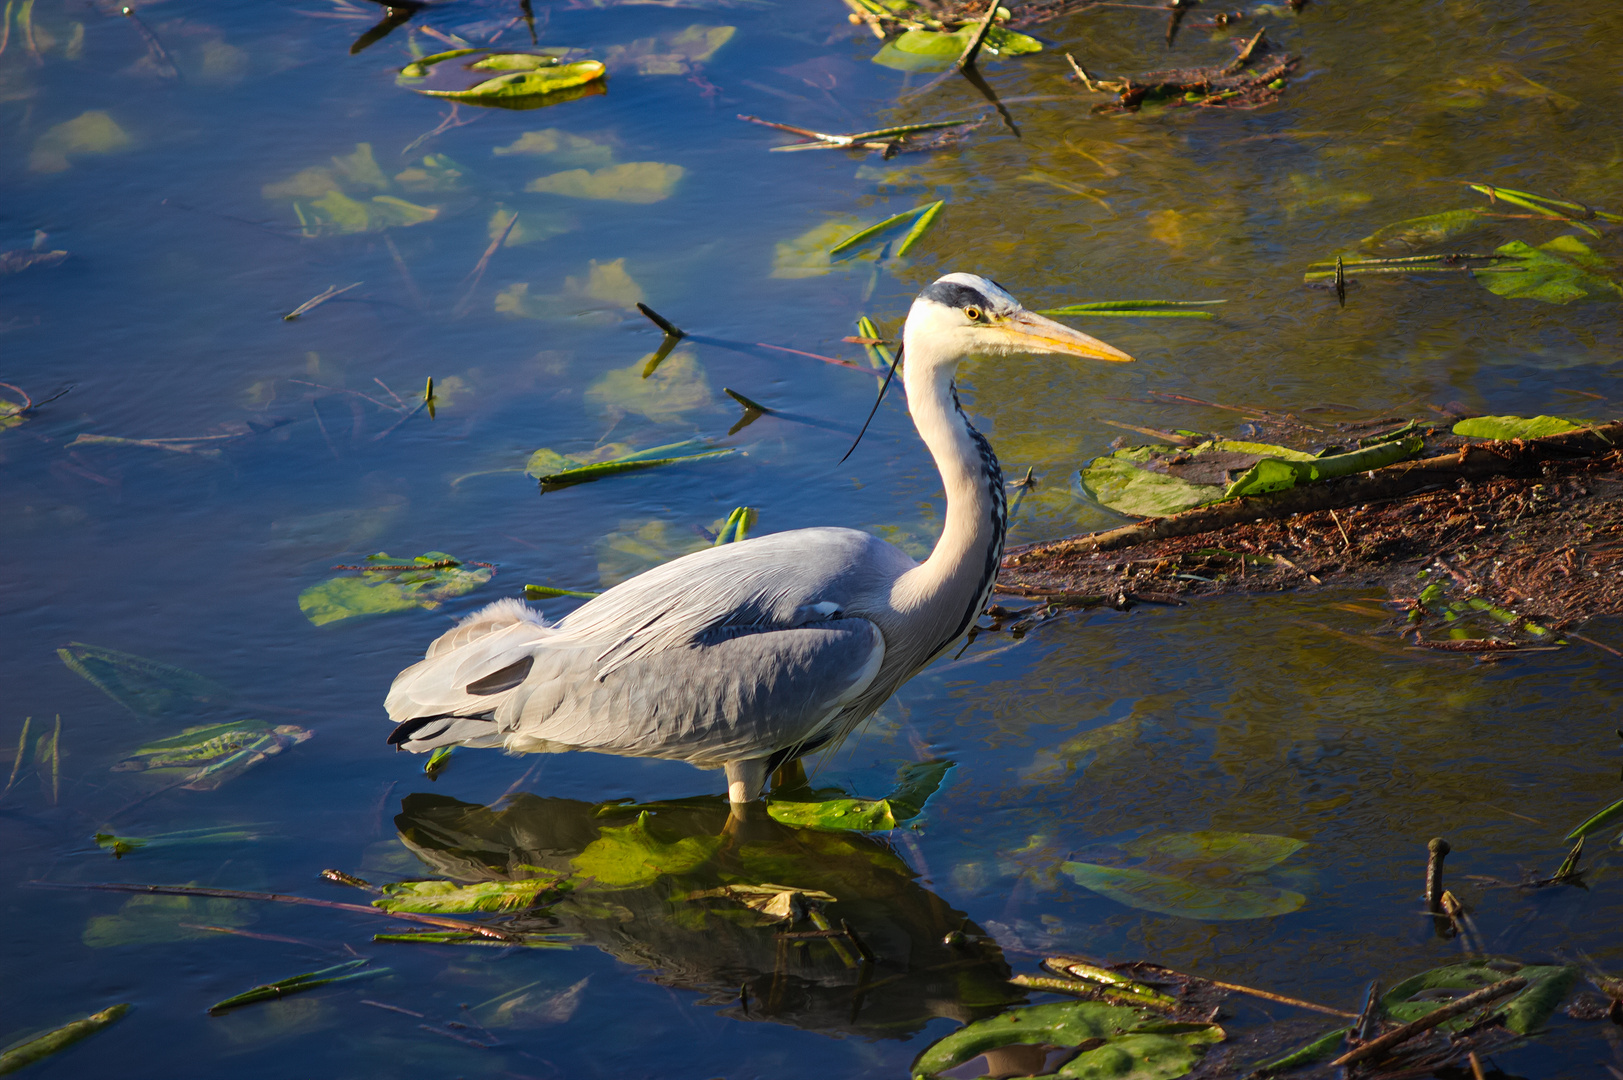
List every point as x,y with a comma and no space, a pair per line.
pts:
924,959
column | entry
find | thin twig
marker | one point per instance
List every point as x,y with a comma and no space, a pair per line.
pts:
477,274
316,301
973,49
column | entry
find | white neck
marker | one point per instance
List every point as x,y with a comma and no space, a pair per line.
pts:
950,585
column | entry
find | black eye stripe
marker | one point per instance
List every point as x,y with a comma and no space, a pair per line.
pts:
954,295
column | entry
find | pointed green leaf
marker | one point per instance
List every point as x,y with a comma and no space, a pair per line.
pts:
42,1046
145,687
1559,272
450,898
1513,427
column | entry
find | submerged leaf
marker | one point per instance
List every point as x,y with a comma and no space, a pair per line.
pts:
1559,272
1168,895
1198,875
205,757
145,687
396,585
630,857
1513,427
632,182
1402,237
932,50
160,920
670,54
561,146
1121,1043
677,387
915,784
450,898
92,132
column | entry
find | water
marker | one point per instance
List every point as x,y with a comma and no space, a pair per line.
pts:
1236,715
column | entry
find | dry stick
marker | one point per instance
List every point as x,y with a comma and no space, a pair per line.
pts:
1592,641
660,321
317,301
824,359
478,272
1438,849
1283,1000
1378,1048
284,898
1479,461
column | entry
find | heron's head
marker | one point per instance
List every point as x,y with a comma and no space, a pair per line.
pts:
967,315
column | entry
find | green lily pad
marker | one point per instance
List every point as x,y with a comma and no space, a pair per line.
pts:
205,757
449,898
396,585
145,687
1198,875
631,856
1121,483
1559,272
1513,427
1125,1044
1413,234
631,182
914,786
1528,1010
933,50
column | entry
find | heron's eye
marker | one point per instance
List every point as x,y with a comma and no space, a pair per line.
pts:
973,314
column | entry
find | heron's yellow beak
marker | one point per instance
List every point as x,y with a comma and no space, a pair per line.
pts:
1026,331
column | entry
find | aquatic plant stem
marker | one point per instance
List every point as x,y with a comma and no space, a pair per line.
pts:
1379,1048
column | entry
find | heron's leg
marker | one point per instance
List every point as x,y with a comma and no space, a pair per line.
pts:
745,779
791,774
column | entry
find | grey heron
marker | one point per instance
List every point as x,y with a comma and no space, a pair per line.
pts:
746,656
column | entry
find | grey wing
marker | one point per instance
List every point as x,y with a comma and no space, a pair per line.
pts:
732,652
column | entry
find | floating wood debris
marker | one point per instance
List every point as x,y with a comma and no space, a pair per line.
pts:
887,142
1254,78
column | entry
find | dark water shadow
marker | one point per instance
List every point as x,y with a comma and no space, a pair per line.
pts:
928,959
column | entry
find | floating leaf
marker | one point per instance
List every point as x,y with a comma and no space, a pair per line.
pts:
418,69
641,545
1319,1048
1513,427
1559,272
145,687
670,54
632,182
915,784
1413,234
1121,483
397,585
449,898
92,132
931,50
527,76
297,984
205,757
631,856
1122,1043
42,1046
876,228
1609,816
